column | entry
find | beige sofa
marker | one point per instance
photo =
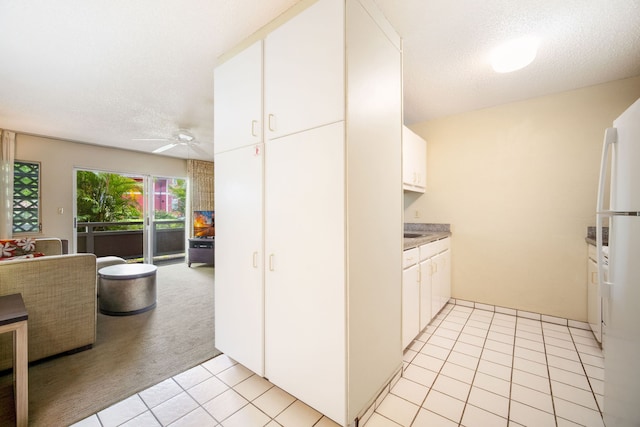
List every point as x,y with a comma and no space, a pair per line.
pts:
59,292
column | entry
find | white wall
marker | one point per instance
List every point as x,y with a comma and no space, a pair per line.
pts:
59,158
518,184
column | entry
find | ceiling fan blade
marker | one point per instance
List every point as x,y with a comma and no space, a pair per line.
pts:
198,150
165,147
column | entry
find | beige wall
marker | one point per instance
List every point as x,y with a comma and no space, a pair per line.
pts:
59,158
518,184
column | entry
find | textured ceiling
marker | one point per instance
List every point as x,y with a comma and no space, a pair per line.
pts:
110,71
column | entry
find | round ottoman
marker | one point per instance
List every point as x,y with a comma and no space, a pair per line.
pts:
127,289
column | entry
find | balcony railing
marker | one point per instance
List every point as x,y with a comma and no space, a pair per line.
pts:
125,239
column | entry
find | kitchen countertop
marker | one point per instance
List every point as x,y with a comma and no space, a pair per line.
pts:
424,233
591,236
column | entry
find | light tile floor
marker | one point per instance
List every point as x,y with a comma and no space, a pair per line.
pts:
469,367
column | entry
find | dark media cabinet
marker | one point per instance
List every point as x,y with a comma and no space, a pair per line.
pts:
201,250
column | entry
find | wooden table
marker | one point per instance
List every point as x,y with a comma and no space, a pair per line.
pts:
13,318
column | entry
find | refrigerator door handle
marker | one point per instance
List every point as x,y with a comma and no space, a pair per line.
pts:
610,137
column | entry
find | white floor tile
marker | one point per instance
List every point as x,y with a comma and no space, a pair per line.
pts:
428,362
91,421
460,346
531,397
427,418
219,364
530,380
530,416
461,359
444,405
234,375
193,376
174,408
571,378
274,401
578,414
494,369
458,372
494,403
420,375
207,390
248,416
196,418
411,391
492,384
146,419
122,411
224,405
378,420
452,387
160,392
574,395
397,409
298,415
476,417
253,387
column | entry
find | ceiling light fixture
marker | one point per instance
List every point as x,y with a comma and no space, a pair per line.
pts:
515,54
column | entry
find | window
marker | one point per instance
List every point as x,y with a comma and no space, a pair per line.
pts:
26,197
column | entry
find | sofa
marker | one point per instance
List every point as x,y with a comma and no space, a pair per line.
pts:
59,293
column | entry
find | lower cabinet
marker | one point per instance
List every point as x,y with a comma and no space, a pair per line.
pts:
594,298
426,286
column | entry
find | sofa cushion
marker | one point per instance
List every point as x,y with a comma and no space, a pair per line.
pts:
18,248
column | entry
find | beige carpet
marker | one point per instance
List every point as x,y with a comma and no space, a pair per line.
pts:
131,352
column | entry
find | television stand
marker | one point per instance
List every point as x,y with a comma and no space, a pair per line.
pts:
201,250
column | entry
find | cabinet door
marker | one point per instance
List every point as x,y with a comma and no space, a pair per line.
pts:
304,70
410,305
425,293
414,161
238,99
594,305
441,281
305,317
239,256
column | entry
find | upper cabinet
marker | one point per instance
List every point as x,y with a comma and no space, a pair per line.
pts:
239,123
414,161
304,71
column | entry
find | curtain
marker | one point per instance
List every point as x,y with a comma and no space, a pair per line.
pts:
7,157
201,180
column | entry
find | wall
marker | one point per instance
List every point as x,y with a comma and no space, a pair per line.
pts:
518,184
59,158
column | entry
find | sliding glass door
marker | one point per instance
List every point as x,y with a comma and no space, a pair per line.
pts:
137,217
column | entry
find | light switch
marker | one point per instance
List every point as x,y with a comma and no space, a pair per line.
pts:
60,211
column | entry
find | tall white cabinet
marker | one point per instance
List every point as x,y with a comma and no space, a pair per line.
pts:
308,205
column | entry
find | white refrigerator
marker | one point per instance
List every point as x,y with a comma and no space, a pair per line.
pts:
621,289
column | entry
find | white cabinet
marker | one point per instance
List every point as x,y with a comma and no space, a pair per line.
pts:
294,300
410,297
441,278
239,260
426,286
594,298
239,123
304,71
414,161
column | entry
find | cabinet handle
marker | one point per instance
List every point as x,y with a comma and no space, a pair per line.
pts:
594,277
255,260
272,120
435,267
271,257
253,127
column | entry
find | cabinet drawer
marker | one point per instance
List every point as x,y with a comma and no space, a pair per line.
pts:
429,250
593,252
409,257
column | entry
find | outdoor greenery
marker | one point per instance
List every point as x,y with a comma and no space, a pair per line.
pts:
107,197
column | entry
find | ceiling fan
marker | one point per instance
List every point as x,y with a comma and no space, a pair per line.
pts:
181,137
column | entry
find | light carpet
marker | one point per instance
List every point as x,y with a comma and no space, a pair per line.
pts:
131,354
